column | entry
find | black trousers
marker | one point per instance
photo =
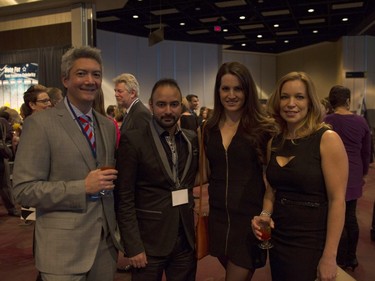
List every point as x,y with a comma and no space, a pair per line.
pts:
5,185
180,265
350,235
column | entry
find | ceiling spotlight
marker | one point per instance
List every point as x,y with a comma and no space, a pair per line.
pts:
225,30
286,41
242,17
135,16
259,36
345,19
243,44
182,23
311,10
276,25
315,31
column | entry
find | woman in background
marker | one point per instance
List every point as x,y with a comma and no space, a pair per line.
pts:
36,99
355,134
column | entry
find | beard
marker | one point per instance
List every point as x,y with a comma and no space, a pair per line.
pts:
166,122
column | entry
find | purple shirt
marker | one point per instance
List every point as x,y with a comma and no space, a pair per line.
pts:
355,134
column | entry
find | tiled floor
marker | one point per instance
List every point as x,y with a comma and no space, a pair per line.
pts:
16,261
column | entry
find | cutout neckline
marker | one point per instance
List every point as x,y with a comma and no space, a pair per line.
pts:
284,160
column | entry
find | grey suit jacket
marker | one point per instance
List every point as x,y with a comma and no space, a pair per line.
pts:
52,162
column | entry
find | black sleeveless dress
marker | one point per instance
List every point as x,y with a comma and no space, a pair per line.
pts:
300,209
236,190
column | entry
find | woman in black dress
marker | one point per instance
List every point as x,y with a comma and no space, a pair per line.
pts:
307,174
235,139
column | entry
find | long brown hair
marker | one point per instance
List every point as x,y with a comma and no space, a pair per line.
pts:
256,125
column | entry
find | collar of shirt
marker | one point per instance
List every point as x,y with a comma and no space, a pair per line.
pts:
77,112
162,132
133,103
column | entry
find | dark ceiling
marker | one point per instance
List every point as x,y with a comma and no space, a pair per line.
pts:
297,27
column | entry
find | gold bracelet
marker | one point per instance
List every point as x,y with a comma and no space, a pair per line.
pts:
265,213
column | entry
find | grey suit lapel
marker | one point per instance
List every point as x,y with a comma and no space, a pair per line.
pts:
161,151
164,157
188,160
72,130
101,139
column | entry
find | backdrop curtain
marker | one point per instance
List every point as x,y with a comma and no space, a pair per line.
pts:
48,60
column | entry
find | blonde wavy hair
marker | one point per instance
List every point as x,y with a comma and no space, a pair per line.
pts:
312,122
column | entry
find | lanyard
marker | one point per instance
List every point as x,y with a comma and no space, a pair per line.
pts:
80,126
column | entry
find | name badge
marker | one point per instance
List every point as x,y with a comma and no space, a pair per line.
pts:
180,197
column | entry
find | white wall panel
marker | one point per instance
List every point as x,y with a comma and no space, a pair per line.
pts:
193,65
262,67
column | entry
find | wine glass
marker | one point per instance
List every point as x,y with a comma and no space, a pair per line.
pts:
265,229
109,164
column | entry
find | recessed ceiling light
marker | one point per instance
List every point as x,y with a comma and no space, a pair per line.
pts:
135,16
286,41
276,25
345,19
243,44
242,17
259,36
182,23
225,30
311,10
315,31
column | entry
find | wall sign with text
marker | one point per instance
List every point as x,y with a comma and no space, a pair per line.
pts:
15,79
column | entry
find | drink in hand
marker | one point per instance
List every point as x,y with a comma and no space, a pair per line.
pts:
265,230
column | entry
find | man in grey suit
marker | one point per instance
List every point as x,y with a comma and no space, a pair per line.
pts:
57,170
127,95
157,166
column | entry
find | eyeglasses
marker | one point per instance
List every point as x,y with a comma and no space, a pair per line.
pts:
44,101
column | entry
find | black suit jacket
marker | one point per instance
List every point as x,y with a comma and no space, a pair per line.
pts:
138,116
147,220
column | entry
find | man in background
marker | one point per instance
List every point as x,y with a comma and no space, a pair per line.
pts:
137,115
127,95
193,101
5,183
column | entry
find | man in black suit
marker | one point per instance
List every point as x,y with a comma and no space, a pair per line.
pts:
137,114
157,167
127,95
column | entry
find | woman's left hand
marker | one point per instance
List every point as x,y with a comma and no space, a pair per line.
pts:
327,269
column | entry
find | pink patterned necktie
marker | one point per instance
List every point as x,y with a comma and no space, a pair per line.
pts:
85,121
